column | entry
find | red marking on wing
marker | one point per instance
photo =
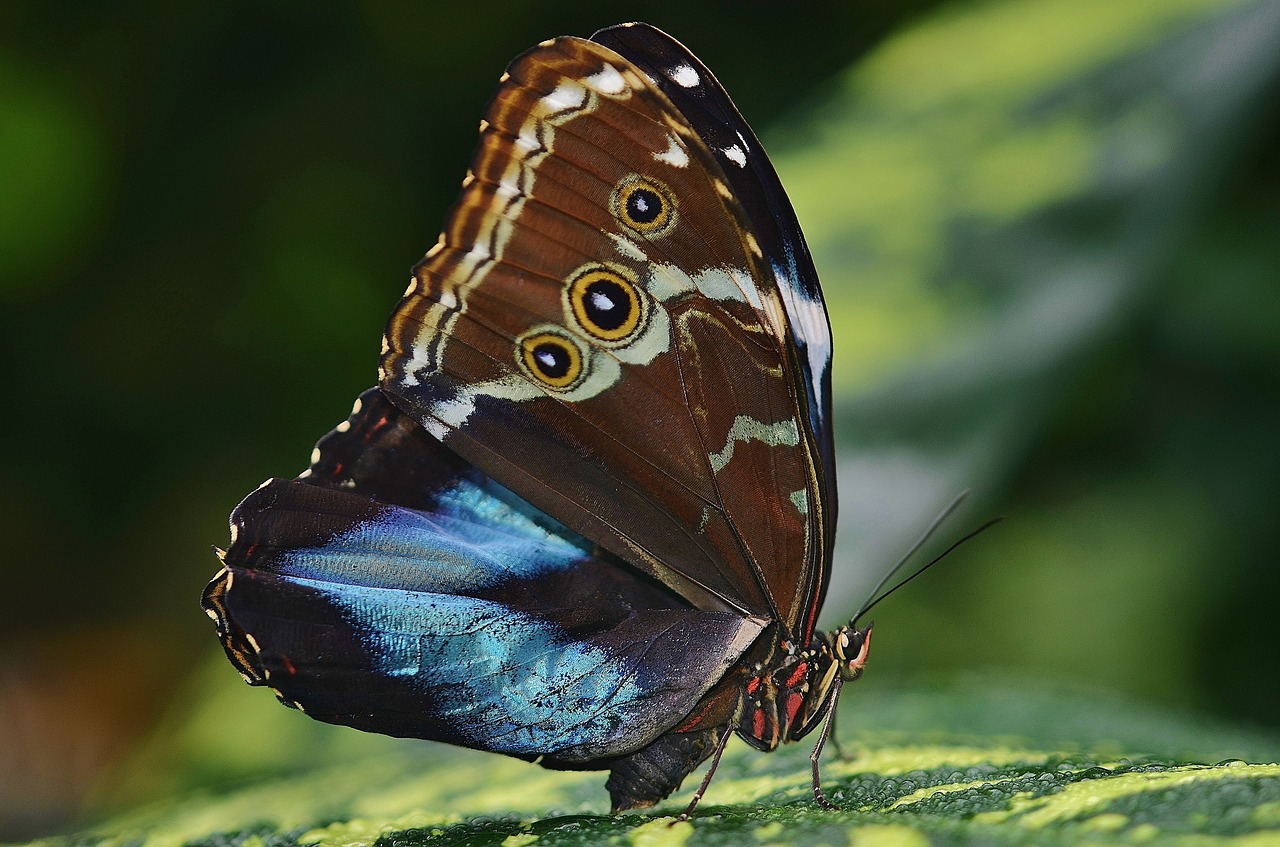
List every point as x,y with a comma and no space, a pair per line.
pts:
696,719
797,675
794,700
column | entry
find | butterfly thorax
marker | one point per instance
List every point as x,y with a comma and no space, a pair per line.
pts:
790,690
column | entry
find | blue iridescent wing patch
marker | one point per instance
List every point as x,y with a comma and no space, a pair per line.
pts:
396,589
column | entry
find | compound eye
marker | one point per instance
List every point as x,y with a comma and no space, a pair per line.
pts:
644,206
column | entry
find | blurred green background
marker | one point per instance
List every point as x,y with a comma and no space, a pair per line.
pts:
1049,233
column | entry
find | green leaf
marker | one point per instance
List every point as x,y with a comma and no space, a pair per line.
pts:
1005,771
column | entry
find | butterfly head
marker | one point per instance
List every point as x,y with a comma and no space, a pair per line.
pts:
851,646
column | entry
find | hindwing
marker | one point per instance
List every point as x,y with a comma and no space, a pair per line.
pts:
395,588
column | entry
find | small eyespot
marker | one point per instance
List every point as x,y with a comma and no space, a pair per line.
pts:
607,304
644,206
550,358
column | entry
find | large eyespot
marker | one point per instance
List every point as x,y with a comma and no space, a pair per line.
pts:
644,205
550,358
606,303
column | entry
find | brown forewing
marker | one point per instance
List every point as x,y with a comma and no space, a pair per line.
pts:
687,456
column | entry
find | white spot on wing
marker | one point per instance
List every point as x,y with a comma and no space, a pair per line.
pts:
675,154
437,430
627,247
507,189
568,96
666,281
729,283
454,412
746,428
527,140
607,80
735,154
723,283
655,340
685,76
706,518
809,322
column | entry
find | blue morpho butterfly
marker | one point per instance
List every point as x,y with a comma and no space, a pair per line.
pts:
586,519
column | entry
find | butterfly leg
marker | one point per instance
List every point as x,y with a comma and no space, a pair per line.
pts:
706,780
817,748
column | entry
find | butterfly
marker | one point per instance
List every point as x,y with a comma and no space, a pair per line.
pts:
586,518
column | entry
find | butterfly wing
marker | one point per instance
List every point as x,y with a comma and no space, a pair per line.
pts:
396,589
599,328
704,103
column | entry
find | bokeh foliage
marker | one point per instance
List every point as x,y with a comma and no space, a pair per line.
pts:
1046,229
1037,248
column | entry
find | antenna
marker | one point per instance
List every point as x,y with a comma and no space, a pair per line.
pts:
873,599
